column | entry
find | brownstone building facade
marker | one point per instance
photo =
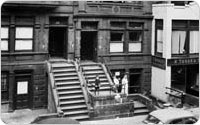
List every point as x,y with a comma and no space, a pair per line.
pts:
115,33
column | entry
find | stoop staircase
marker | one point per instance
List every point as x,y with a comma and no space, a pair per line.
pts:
90,70
69,91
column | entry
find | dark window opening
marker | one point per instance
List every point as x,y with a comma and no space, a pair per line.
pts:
118,25
136,25
117,37
89,25
58,21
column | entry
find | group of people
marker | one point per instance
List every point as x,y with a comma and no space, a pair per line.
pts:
121,86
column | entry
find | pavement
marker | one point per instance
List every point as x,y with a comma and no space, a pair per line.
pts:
23,116
117,121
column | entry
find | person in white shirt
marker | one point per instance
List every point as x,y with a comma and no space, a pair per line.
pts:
125,85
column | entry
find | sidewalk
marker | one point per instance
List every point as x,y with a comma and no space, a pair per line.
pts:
23,116
117,121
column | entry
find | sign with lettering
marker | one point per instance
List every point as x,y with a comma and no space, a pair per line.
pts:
159,62
184,61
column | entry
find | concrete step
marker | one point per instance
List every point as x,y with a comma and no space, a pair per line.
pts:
98,72
70,113
85,68
58,65
80,118
70,92
67,78
101,80
66,83
101,76
72,102
71,97
64,70
65,74
101,84
74,107
67,88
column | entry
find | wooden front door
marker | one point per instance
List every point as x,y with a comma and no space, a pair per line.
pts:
22,95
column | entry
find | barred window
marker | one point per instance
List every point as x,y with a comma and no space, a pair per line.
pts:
4,86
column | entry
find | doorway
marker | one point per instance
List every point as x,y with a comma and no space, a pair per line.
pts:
134,81
23,91
89,45
57,41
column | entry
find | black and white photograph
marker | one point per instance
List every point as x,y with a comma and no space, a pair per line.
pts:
100,62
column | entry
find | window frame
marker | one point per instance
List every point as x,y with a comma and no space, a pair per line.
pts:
129,41
158,27
8,39
188,28
123,41
126,28
24,39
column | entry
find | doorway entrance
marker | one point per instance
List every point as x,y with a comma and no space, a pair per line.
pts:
89,45
57,41
134,81
23,91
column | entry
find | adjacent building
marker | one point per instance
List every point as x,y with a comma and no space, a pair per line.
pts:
175,50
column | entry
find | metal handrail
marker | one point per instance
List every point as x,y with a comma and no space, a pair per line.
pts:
182,94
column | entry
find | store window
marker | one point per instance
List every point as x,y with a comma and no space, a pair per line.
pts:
4,86
4,38
185,37
159,37
24,38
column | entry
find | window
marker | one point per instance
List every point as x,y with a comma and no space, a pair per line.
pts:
4,38
159,38
116,42
24,38
135,41
135,37
185,37
4,86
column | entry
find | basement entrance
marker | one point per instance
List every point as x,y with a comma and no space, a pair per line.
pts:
89,45
57,41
